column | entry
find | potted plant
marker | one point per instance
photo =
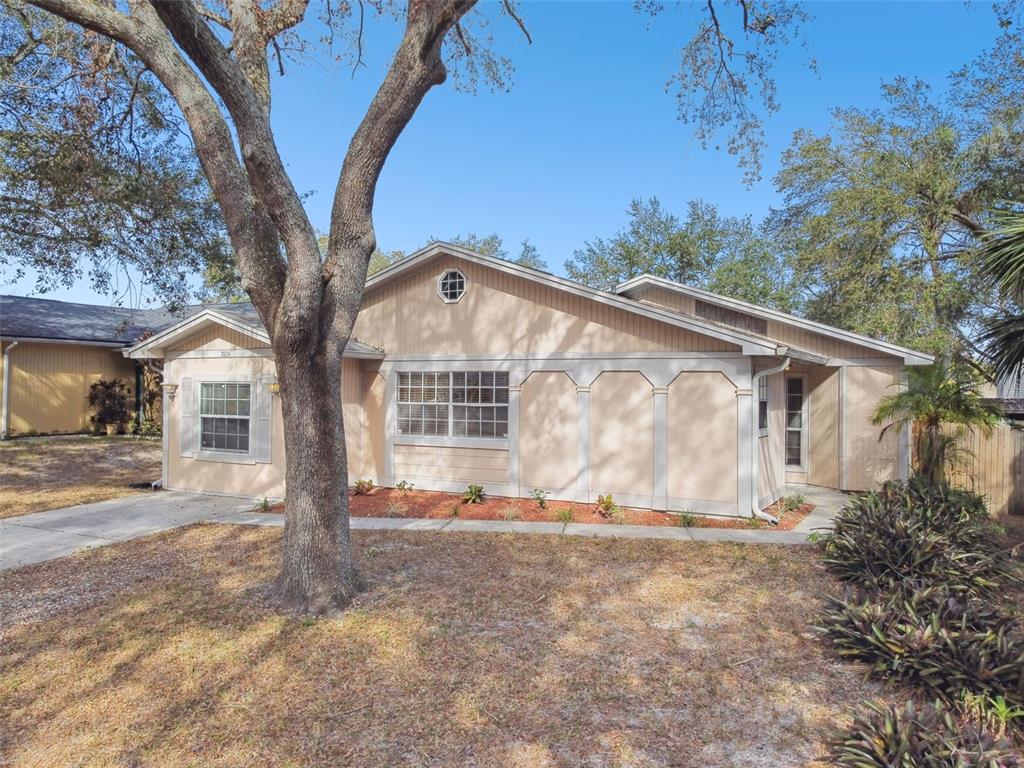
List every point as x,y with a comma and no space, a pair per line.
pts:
111,399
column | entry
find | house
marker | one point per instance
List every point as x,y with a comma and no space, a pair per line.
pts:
470,369
52,352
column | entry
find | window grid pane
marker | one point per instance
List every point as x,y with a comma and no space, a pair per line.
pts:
762,403
473,403
224,417
794,422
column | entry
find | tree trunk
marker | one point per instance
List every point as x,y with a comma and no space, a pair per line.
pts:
317,573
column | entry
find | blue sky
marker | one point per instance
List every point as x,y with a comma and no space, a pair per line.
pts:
587,124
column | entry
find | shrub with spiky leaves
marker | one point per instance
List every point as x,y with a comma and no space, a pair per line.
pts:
930,737
914,534
943,642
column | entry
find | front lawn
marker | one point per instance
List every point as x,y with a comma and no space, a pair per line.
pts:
39,473
463,650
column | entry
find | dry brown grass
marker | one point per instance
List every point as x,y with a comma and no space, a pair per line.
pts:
41,473
463,650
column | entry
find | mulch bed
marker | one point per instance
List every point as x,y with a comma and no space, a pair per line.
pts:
435,505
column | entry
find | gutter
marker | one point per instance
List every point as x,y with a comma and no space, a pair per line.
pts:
6,417
755,507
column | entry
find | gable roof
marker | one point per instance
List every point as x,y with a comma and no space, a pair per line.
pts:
241,317
910,356
23,317
749,343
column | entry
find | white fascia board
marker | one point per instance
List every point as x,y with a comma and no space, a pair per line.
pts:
910,356
751,345
154,346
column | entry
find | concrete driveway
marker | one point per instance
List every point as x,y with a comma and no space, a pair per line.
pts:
58,532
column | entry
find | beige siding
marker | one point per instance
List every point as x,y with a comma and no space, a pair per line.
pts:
460,465
806,340
506,314
373,444
548,429
870,461
218,338
192,474
702,424
823,426
771,476
50,384
622,434
352,408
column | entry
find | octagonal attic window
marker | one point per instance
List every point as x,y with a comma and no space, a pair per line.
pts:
451,286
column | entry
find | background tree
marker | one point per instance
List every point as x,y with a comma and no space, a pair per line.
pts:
937,396
881,212
493,245
1001,258
93,177
213,60
529,256
726,255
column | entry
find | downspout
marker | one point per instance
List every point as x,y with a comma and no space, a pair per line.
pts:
755,454
6,418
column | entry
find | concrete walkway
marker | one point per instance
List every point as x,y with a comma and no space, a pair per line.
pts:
48,535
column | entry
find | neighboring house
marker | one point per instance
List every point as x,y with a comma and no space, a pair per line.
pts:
470,369
54,351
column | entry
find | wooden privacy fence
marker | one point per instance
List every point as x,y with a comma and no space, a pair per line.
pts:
994,467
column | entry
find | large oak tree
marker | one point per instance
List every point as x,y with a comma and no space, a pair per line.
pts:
215,59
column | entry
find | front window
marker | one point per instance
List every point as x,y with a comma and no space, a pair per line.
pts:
224,417
459,404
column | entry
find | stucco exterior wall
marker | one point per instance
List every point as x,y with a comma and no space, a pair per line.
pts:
702,444
507,314
50,384
548,431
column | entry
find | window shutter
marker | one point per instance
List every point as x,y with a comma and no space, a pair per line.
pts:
186,425
263,425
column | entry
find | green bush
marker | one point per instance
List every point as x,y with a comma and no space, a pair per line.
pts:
563,515
909,535
362,487
941,641
902,737
474,494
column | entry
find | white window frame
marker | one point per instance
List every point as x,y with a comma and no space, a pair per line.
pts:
762,384
804,431
440,280
224,456
450,440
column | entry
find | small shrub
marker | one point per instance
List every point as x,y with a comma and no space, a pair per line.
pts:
686,519
605,505
617,515
362,487
405,486
541,497
917,534
563,515
453,510
792,503
263,505
111,399
474,494
151,428
994,714
753,522
394,509
944,642
511,513
931,737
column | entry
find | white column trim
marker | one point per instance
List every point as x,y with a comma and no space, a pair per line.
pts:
515,389
583,441
660,486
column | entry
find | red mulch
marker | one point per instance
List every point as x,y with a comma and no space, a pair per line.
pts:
391,502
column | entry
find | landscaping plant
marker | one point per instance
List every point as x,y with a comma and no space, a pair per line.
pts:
926,737
405,486
606,505
362,487
563,515
541,497
474,494
686,519
944,642
917,534
112,403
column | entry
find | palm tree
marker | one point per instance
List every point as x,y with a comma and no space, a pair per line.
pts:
1001,257
937,396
